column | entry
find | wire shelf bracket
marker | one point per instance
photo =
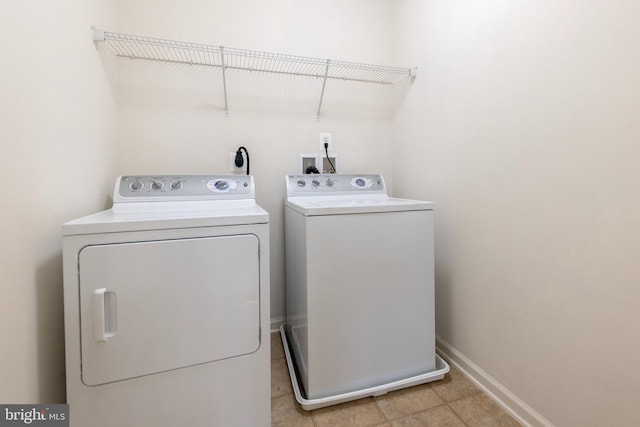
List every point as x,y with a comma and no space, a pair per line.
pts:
154,49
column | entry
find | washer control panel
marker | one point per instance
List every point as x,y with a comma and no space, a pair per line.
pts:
327,184
140,188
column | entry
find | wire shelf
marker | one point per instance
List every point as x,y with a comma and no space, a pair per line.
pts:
154,49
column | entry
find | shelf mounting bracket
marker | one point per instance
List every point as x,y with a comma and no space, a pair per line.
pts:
224,82
324,84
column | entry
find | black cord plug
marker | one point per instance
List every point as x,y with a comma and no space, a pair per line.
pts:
239,160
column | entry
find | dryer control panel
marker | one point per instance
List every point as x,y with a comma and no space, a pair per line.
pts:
147,188
334,184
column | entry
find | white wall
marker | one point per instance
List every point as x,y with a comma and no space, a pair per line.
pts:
171,118
523,128
56,120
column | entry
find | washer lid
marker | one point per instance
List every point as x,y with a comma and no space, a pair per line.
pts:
339,205
336,194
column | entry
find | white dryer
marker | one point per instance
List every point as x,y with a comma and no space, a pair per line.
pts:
359,289
167,306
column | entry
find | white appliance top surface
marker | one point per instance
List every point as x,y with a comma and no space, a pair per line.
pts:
335,194
163,202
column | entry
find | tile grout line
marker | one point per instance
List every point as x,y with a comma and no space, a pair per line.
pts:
458,415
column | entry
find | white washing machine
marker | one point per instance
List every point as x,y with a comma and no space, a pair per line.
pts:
167,306
360,289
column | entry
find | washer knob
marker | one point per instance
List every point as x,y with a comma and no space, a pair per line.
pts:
157,185
315,182
176,185
301,183
360,182
329,182
136,186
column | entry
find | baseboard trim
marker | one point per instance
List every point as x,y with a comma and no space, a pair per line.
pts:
275,324
518,409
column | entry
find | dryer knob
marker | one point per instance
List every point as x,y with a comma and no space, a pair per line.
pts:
301,183
329,182
157,185
222,185
315,182
136,186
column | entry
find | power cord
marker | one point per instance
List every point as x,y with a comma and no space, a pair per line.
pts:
326,150
239,161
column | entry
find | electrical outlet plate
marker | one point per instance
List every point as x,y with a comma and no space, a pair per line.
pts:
325,137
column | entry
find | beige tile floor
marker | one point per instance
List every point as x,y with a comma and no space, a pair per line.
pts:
451,402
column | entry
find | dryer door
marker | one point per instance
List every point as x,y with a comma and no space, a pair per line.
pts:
149,307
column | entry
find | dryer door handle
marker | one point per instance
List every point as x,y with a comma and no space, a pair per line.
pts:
104,314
